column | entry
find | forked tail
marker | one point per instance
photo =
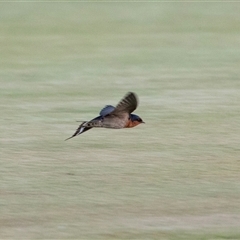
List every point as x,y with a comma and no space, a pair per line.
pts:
81,129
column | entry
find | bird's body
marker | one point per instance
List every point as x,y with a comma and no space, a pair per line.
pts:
114,117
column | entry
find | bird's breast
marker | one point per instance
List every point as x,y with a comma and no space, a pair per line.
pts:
131,124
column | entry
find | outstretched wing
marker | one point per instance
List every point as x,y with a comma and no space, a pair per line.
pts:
106,110
127,105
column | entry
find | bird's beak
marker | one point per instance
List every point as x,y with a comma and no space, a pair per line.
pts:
142,122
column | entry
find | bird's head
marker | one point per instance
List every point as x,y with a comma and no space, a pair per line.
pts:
136,119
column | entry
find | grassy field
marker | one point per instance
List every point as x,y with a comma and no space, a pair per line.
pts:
176,177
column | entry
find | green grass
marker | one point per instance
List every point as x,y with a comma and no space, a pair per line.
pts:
176,177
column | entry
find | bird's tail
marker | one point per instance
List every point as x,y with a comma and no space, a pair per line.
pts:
81,129
94,123
87,125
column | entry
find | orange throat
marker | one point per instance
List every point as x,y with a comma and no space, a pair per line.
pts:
131,124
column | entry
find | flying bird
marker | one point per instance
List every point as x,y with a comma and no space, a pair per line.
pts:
114,117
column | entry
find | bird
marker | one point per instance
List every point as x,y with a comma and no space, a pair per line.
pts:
114,117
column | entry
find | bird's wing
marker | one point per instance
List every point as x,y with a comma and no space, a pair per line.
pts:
127,105
106,110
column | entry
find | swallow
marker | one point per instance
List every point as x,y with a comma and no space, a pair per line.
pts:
114,117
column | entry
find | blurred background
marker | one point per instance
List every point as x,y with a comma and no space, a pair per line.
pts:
176,177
